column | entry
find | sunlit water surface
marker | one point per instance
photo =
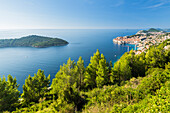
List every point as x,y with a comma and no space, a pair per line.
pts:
22,61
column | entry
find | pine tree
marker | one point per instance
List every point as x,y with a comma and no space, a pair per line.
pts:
102,72
125,70
71,95
35,87
110,66
90,74
66,76
116,73
9,93
80,72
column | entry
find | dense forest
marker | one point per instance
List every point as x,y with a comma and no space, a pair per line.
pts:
135,83
32,41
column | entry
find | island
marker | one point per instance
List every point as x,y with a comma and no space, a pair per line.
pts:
33,41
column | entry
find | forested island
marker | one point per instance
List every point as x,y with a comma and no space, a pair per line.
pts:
137,83
32,41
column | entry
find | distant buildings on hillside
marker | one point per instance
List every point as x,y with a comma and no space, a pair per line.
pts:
144,39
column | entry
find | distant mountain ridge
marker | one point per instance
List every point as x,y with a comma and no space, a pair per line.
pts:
167,30
151,30
154,30
32,41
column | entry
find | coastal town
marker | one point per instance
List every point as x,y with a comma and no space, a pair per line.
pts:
143,39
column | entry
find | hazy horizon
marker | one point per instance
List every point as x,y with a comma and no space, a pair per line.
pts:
79,28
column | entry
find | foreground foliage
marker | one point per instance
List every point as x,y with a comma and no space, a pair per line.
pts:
136,83
9,93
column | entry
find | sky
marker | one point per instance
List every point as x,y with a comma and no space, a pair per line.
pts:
84,14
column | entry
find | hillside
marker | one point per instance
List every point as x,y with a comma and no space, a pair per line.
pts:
154,30
151,30
32,41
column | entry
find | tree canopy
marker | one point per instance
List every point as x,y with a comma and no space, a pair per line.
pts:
35,87
135,83
9,93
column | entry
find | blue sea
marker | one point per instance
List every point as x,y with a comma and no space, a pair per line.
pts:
22,61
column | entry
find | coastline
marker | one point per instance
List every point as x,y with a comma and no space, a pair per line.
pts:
143,40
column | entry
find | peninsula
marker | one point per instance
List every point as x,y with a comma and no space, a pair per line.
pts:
143,39
33,41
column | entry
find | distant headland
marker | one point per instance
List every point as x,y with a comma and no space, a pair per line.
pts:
143,39
139,36
33,41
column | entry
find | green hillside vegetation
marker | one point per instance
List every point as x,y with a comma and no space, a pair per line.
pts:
143,31
32,41
149,30
153,30
136,83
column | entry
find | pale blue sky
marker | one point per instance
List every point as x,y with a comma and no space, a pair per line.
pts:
84,14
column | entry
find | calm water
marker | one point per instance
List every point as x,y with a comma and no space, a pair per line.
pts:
22,61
